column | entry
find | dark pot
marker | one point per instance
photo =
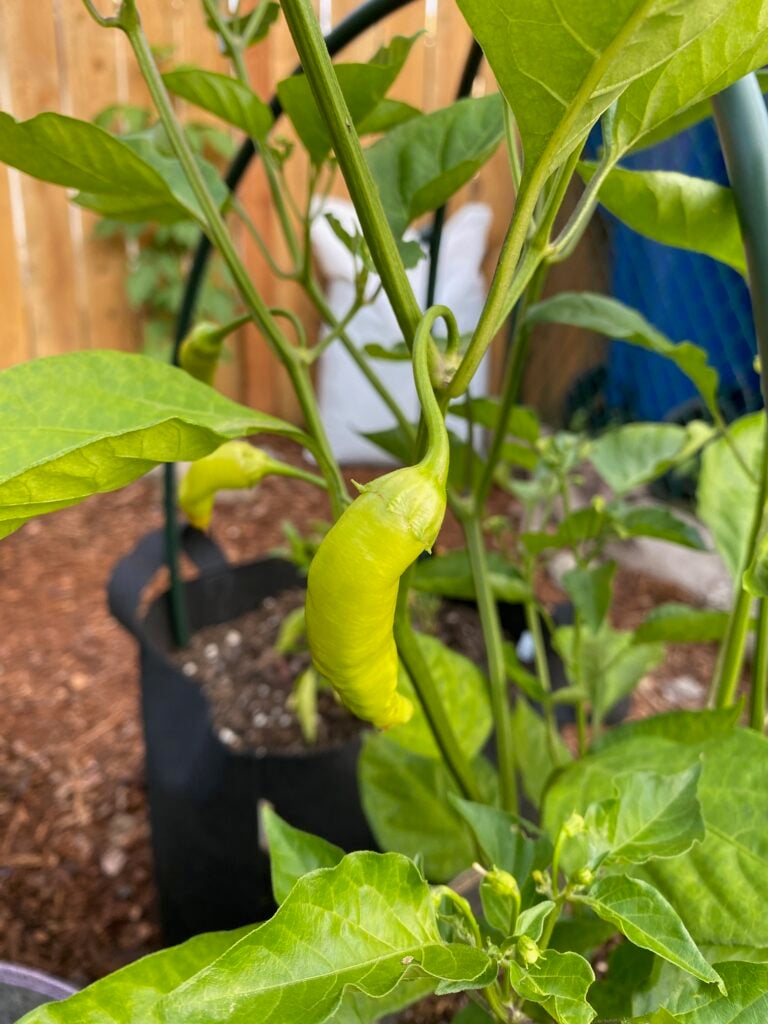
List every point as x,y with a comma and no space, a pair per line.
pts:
22,989
211,865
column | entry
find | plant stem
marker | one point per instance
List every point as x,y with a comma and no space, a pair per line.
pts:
489,619
760,670
731,655
316,295
316,62
533,622
217,230
513,378
429,698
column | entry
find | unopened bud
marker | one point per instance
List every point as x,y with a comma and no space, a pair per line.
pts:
574,826
503,883
584,876
528,950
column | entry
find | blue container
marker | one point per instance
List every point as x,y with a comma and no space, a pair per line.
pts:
688,296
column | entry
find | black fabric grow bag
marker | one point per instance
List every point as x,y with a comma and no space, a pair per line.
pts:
211,866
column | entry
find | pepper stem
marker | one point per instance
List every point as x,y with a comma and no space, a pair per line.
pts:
437,455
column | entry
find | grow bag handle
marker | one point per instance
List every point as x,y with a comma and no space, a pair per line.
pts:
135,570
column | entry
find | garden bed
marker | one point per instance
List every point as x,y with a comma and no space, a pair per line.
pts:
76,891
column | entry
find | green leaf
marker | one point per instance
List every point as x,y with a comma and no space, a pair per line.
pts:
387,114
756,575
684,727
523,422
473,1014
629,971
87,422
132,994
648,920
746,1001
463,692
405,799
535,760
718,886
77,154
293,853
363,85
223,96
367,925
575,528
695,69
656,816
675,209
610,664
450,576
560,66
138,207
676,623
726,494
637,453
397,353
613,319
655,521
590,590
559,982
419,165
504,845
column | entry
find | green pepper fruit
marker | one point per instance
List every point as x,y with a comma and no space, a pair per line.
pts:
201,349
354,576
235,465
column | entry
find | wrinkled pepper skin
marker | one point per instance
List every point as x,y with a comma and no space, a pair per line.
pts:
352,589
354,578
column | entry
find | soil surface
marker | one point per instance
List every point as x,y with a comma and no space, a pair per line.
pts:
249,685
76,891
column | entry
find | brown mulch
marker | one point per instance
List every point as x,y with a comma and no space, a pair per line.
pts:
76,891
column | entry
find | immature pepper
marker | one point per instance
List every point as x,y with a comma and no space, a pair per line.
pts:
201,349
235,465
354,576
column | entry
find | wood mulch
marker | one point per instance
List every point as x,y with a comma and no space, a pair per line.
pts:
76,891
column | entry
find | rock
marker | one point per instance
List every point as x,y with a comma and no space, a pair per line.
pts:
113,861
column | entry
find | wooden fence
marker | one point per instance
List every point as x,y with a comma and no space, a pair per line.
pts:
63,289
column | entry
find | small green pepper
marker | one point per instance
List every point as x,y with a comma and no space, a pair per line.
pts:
201,349
235,465
354,576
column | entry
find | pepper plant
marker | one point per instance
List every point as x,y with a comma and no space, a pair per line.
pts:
648,856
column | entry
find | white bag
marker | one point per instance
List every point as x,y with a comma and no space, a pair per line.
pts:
348,404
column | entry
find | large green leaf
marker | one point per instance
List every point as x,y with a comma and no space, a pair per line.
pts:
77,424
363,85
648,920
726,494
420,164
561,65
405,798
637,453
676,209
732,39
366,925
77,154
654,521
131,995
450,575
656,816
293,853
559,982
613,319
718,887
746,1001
463,692
223,96
675,623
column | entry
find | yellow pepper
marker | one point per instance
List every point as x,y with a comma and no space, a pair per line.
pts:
354,576
235,465
201,349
